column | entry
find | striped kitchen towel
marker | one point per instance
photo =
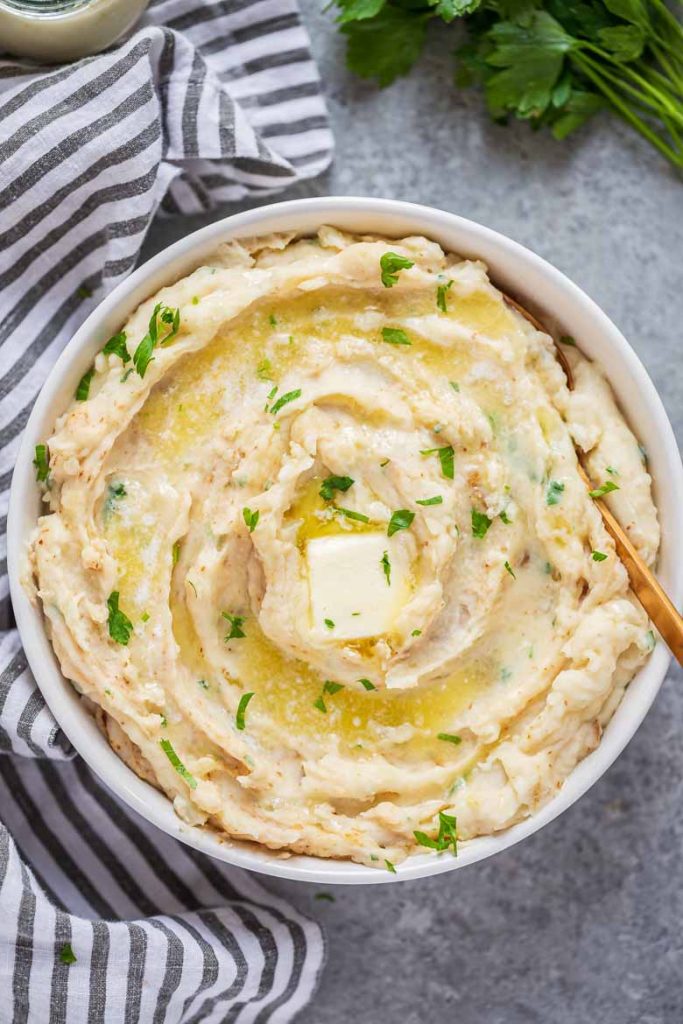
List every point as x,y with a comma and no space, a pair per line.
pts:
102,917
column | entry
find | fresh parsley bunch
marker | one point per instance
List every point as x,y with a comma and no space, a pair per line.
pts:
554,63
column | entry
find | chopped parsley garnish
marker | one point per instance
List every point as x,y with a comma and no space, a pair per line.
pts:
366,684
441,292
116,346
567,339
350,514
598,556
386,567
115,492
436,500
251,519
329,623
163,327
447,836
603,489
400,520
449,737
334,483
385,462
175,554
42,463
67,955
83,389
290,396
264,370
454,385
446,458
241,710
416,632
236,623
505,518
327,896
84,292
203,683
651,640
272,320
395,336
508,568
554,492
390,264
612,470
390,867
195,300
328,687
480,524
120,626
144,617
168,749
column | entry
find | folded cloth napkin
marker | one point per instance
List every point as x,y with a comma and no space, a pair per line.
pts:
102,917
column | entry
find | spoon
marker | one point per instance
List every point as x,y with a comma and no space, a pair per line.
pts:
664,615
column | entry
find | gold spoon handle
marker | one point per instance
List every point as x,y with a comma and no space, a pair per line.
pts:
645,585
654,599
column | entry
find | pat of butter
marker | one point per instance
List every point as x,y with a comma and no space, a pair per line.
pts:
349,588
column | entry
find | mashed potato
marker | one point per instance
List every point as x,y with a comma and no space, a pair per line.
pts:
318,549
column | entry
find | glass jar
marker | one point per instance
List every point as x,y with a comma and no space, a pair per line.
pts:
53,31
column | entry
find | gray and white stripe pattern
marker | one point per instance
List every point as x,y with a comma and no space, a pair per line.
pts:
205,103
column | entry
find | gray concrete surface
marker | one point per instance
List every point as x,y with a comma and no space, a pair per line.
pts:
584,921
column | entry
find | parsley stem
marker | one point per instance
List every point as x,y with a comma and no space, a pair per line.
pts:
625,111
659,99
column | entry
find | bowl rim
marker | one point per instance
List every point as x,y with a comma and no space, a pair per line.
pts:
61,697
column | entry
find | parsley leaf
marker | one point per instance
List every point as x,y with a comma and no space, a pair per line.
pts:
603,489
447,836
505,518
449,737
567,339
554,492
236,623
83,389
250,518
163,326
508,568
598,556
334,483
332,688
390,264
387,45
386,567
120,626
117,346
441,293
350,514
319,703
400,520
327,896
290,396
241,710
367,685
168,749
437,500
395,336
175,553
42,463
329,623
480,524
390,867
446,458
67,955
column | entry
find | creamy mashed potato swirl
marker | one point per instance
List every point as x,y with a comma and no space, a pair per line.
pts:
325,565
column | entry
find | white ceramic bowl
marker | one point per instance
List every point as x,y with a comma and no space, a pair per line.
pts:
522,274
